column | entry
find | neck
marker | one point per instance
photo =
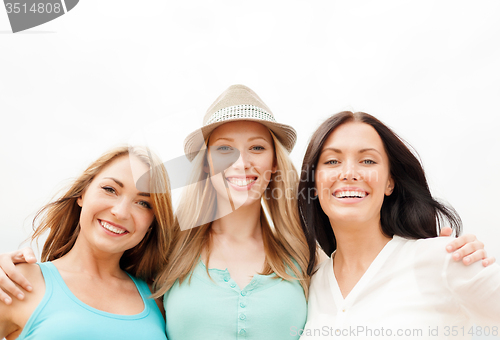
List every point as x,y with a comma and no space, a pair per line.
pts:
85,259
241,224
358,244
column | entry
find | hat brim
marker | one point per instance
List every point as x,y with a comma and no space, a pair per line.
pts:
195,140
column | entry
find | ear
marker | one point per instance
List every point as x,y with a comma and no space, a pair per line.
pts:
275,166
79,201
390,186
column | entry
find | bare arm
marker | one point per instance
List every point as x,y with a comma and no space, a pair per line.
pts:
9,274
13,317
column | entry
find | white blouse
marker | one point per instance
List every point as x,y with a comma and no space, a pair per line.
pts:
413,289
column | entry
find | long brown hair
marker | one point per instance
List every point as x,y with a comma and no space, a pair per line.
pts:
61,217
410,211
284,241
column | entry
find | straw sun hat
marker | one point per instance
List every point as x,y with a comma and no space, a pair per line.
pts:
237,103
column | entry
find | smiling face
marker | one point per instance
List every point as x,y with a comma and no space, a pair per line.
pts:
353,175
115,216
251,145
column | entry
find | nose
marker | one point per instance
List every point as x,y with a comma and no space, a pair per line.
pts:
121,209
243,161
349,172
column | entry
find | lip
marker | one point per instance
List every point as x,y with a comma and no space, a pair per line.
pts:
117,226
350,200
242,178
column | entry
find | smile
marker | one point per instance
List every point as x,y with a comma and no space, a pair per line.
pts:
240,181
350,194
112,228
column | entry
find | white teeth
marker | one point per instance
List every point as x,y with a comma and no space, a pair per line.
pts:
344,194
111,228
241,183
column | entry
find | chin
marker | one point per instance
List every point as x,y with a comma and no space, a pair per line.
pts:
346,218
245,202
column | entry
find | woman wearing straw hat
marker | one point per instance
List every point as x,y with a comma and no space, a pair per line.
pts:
234,272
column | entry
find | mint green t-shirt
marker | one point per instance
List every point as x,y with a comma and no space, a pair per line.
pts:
204,308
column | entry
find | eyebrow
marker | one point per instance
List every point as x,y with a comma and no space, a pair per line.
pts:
117,181
145,194
258,137
223,138
360,151
249,139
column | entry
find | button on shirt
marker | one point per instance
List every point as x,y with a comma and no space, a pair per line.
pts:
216,308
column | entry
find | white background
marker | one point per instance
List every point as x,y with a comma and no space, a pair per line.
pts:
116,71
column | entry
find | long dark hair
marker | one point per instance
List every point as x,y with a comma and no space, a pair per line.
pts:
410,211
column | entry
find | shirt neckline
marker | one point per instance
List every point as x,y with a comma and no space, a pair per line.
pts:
223,275
73,297
370,272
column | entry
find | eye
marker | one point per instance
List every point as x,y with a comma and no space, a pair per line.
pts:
145,204
369,161
224,148
258,148
332,162
111,190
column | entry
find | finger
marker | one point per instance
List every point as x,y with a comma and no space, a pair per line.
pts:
474,257
11,275
8,286
459,242
468,249
23,255
446,231
5,298
488,261
28,254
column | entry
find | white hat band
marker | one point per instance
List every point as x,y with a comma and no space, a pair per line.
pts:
240,111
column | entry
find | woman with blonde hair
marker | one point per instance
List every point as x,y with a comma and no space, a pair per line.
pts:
106,238
239,257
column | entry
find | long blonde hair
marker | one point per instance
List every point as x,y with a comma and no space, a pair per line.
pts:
284,241
61,217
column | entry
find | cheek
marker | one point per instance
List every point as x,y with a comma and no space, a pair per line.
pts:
325,179
265,167
376,179
218,183
145,219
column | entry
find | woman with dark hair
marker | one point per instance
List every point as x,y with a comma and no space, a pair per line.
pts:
364,198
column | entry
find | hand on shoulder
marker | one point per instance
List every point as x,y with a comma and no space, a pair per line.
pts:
13,317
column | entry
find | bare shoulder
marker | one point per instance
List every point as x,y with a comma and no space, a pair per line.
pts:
22,310
30,271
13,317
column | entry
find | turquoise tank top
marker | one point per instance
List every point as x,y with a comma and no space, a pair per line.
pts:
60,315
